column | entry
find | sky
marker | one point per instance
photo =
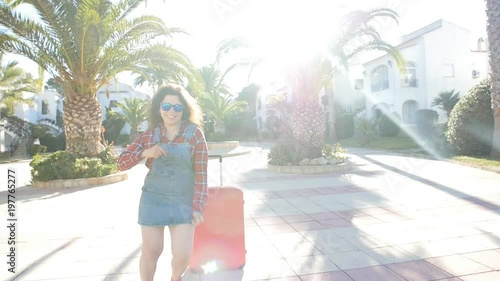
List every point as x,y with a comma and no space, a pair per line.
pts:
285,30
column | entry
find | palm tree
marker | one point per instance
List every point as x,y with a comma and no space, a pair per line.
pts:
216,100
84,44
135,111
219,108
493,26
358,35
446,101
13,83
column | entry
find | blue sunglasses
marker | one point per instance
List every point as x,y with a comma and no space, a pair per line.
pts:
167,106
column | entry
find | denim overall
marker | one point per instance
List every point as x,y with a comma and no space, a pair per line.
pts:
167,194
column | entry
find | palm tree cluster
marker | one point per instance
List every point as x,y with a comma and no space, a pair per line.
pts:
358,35
13,83
84,44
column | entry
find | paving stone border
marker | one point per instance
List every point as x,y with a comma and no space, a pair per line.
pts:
84,182
223,145
317,169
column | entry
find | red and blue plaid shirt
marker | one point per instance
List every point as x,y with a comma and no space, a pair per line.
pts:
131,155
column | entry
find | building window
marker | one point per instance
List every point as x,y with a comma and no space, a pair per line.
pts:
409,75
410,112
448,70
380,78
359,84
45,107
481,45
113,104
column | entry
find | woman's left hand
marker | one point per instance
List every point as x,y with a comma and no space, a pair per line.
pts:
197,218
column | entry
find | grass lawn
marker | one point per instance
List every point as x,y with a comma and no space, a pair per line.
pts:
385,143
405,143
480,162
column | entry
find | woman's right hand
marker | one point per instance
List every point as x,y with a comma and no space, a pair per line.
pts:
154,152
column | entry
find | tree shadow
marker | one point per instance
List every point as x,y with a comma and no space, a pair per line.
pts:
33,266
447,189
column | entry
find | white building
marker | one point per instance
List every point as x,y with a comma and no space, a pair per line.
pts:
48,103
439,57
115,92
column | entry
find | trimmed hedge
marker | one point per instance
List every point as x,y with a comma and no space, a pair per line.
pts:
470,127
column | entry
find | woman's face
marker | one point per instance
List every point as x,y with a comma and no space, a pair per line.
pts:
173,116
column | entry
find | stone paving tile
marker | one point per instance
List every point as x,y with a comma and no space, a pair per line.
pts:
334,223
418,270
277,228
327,276
489,258
352,259
311,264
309,225
324,215
363,242
390,254
265,269
303,249
487,276
489,240
334,246
458,265
374,273
297,218
294,278
287,238
461,245
425,250
269,220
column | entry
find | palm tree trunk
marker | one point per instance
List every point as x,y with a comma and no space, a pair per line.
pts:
493,29
82,125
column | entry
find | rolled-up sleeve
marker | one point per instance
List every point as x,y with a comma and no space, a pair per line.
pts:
131,155
200,162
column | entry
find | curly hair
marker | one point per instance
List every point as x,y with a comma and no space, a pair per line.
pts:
192,111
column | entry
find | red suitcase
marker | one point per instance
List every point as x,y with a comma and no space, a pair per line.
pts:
219,242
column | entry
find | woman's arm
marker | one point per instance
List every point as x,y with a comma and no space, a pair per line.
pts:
131,155
200,162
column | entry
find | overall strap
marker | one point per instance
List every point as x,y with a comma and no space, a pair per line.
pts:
156,136
189,132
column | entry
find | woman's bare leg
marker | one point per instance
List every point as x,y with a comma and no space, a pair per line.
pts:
152,247
182,245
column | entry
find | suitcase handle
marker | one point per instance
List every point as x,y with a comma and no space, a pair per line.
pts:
220,163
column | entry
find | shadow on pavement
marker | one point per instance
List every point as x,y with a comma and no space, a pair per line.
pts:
473,199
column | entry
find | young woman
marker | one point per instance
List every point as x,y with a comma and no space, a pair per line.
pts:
175,188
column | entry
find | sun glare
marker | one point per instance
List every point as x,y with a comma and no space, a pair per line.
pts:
292,32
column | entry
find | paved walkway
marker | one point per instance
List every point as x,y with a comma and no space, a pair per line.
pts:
391,218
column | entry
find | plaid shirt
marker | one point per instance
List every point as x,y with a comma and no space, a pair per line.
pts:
132,155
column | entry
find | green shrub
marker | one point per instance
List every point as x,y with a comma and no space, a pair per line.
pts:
367,129
63,165
113,125
123,139
50,141
426,118
470,126
216,137
36,149
333,152
388,126
287,151
344,124
37,131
